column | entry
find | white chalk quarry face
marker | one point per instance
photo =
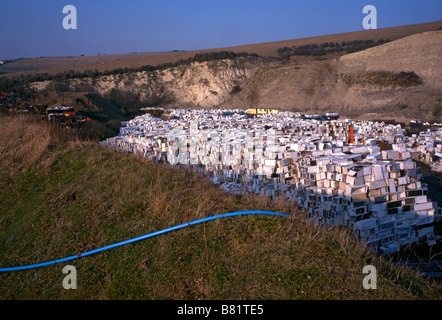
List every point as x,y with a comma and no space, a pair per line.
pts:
201,84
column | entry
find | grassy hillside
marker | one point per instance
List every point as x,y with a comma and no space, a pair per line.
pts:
60,196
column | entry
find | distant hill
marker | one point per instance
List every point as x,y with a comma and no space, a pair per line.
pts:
58,63
102,62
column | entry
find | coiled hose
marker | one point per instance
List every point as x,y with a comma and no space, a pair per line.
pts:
149,235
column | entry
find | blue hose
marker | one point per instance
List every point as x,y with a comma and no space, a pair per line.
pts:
150,235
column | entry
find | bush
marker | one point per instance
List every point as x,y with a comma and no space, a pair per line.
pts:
327,48
236,89
437,110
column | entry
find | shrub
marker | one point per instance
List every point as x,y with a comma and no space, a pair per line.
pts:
437,110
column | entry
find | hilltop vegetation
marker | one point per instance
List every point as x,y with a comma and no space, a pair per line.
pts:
61,196
328,48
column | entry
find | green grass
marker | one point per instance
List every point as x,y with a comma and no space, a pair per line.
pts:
77,197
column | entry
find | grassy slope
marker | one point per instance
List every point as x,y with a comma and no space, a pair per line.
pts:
62,198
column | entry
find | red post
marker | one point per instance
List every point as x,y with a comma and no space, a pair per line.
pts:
350,138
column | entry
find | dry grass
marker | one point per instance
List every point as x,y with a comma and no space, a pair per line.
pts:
25,141
18,147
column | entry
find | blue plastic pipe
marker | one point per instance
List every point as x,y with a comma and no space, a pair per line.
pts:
149,235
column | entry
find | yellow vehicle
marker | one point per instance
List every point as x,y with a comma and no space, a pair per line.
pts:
258,111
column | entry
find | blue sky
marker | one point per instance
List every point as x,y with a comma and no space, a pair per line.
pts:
31,28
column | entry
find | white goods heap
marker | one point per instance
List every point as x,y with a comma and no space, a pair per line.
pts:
376,193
